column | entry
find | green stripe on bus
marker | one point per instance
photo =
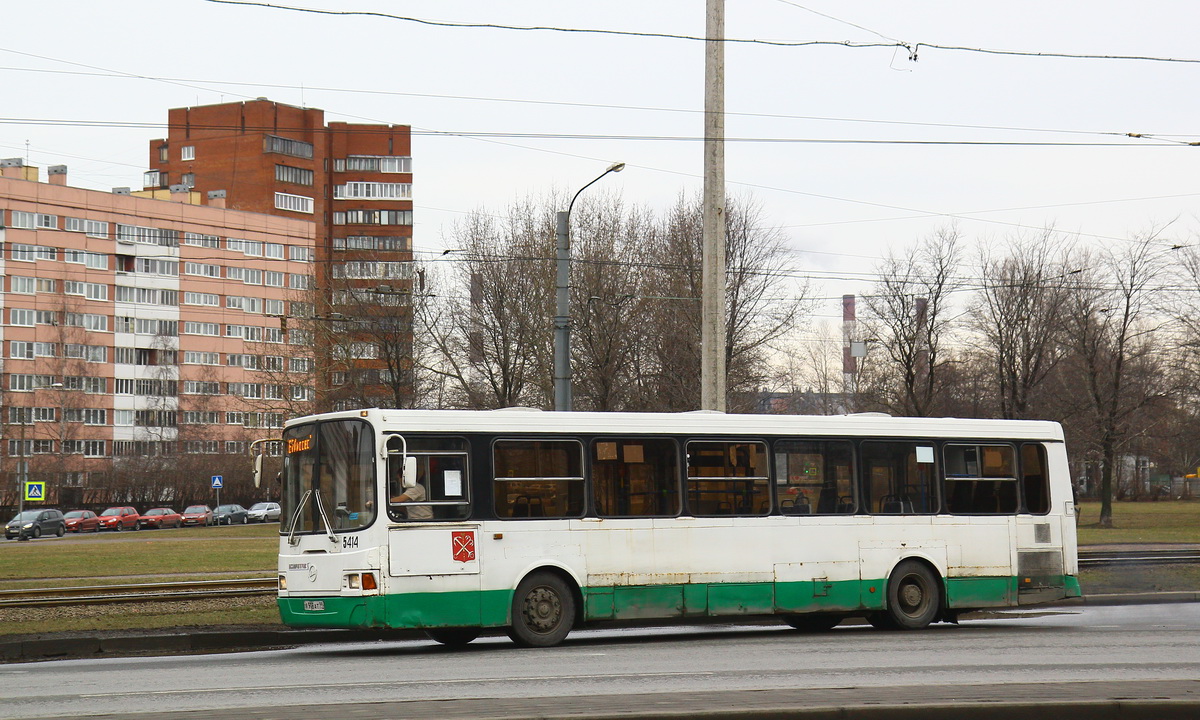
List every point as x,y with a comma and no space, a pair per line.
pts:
490,608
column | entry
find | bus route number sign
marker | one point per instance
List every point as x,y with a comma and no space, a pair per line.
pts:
463,545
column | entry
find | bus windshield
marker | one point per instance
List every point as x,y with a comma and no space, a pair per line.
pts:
328,477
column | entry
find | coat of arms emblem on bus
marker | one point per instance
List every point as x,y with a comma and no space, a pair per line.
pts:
463,546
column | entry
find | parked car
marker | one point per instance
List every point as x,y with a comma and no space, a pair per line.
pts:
35,523
197,515
160,518
230,515
265,512
119,518
82,521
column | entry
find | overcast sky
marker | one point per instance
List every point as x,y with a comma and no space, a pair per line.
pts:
119,66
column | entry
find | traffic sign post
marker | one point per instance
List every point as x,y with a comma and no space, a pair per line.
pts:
35,490
218,482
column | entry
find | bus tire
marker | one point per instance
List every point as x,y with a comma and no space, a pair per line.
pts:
813,622
543,611
914,596
453,637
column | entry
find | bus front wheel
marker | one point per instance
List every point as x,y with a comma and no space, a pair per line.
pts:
543,611
453,637
914,597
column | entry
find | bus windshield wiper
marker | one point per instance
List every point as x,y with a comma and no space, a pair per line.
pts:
320,509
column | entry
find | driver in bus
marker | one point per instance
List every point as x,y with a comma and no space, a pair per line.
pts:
414,494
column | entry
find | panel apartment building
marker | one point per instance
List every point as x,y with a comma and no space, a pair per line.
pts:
137,328
354,182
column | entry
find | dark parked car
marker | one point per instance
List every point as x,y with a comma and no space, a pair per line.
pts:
119,518
35,523
265,512
160,518
197,515
82,521
231,515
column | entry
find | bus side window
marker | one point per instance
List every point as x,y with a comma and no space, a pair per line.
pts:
1033,479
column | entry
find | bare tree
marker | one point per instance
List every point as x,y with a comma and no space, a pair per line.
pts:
1112,334
909,317
1017,317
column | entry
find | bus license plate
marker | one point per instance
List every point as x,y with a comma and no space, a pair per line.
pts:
314,604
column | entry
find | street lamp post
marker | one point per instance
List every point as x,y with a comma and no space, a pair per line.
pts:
562,318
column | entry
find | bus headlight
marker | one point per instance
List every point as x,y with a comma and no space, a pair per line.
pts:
353,581
283,583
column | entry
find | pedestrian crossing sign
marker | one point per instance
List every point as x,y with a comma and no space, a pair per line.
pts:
35,490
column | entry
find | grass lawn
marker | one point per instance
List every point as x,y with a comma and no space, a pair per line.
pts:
1141,522
112,557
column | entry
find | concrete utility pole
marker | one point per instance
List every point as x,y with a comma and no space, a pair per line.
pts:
712,301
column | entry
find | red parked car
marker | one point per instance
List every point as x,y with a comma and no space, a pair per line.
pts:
160,518
119,518
82,521
197,515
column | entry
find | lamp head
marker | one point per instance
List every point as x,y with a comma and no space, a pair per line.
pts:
616,167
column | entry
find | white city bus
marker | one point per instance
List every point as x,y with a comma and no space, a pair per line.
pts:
536,522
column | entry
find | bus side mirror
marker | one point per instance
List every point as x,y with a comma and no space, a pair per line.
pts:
257,469
410,472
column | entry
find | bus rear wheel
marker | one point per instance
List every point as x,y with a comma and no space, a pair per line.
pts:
813,622
453,637
543,611
914,597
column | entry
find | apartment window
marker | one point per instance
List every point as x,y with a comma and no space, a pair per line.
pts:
252,248
47,317
123,386
29,383
272,307
87,416
23,220
89,385
24,253
88,353
92,291
90,321
252,277
287,146
154,179
377,163
187,152
45,414
272,335
204,299
93,448
373,242
273,250
20,415
373,191
96,261
200,240
370,270
194,357
97,229
154,266
273,363
22,317
272,278
20,350
294,203
373,217
23,285
47,222
300,364
202,269
294,175
123,418
300,254
299,282
162,153
235,273
201,328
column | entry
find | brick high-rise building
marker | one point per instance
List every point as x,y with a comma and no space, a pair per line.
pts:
355,183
